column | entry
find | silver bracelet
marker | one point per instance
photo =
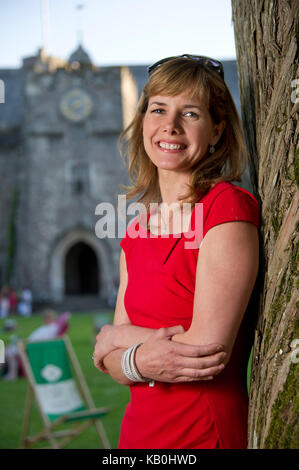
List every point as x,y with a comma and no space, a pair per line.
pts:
129,367
136,375
125,364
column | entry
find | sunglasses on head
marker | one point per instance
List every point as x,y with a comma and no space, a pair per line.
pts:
202,60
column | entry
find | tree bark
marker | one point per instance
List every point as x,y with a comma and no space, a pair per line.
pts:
267,55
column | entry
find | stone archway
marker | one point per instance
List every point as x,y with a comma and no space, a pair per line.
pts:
81,270
81,252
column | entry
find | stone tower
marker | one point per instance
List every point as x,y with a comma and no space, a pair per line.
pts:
57,163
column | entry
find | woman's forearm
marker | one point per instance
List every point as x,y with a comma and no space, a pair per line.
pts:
124,336
163,360
112,362
113,337
127,335
121,337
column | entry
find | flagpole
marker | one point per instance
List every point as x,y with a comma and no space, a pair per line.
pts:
45,24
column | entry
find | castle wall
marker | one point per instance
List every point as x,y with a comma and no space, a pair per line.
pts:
70,165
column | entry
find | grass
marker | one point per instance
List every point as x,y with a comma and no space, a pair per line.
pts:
104,391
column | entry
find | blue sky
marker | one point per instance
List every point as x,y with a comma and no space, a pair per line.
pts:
117,32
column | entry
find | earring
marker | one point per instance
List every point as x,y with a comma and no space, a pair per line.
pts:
212,149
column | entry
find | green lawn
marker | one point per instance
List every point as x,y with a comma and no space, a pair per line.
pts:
104,391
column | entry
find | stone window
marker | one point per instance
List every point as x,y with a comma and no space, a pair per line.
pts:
79,178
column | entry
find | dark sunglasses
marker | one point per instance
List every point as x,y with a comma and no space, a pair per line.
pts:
202,60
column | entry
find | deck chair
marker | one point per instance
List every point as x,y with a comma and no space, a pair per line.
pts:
58,385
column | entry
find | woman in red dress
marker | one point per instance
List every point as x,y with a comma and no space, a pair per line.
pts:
185,282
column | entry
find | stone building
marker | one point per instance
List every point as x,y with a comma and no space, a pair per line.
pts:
59,158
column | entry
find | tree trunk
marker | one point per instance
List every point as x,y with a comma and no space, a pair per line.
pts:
265,32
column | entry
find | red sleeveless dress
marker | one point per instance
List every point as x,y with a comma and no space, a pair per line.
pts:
160,293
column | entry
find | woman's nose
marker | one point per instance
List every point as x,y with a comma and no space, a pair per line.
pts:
172,125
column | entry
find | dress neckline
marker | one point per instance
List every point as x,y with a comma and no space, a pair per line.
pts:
178,234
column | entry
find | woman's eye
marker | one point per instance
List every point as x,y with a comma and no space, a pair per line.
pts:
191,114
157,110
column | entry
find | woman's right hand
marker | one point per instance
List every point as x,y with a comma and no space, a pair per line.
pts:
161,359
104,345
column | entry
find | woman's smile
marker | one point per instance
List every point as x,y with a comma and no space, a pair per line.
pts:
171,146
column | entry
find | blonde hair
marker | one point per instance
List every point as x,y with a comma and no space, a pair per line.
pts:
229,160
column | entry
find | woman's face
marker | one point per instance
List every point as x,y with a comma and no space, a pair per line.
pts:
177,131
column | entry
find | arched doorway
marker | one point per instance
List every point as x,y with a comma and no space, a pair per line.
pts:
81,270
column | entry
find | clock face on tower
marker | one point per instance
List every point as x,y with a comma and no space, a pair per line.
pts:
76,105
